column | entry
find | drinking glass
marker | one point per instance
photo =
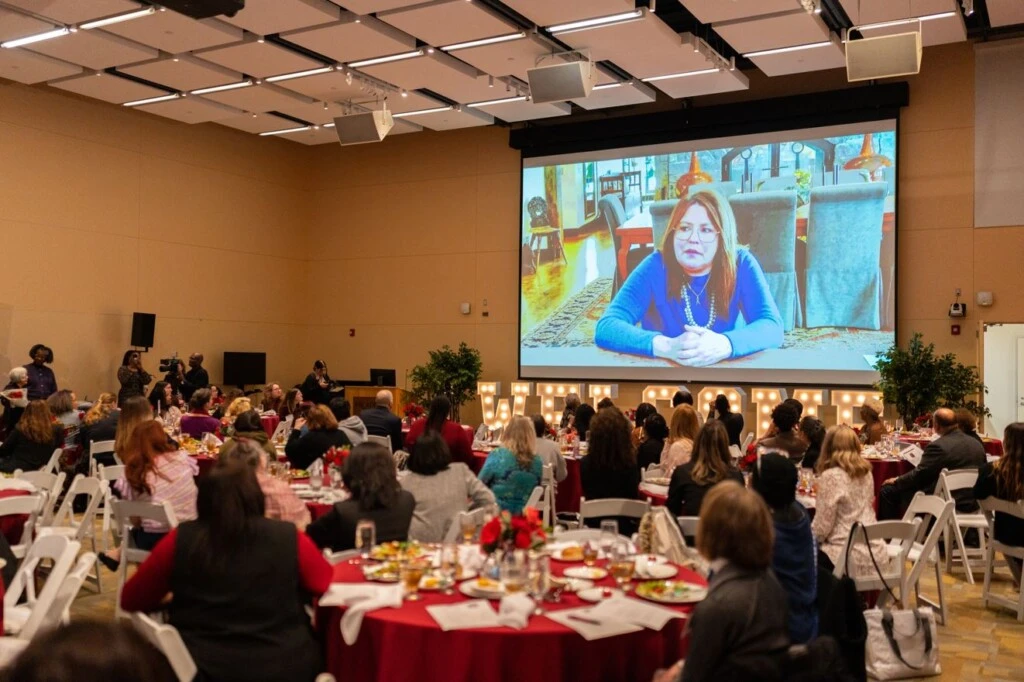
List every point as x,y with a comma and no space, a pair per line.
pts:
514,571
316,480
468,528
609,534
449,565
621,564
411,573
336,478
540,579
366,538
589,553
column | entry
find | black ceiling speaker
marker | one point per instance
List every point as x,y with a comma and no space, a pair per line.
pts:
204,9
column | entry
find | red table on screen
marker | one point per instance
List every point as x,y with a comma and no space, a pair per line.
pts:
568,492
407,644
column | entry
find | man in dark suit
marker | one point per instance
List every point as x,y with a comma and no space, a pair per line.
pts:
954,449
381,421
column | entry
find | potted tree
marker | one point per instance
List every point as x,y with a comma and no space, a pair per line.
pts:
453,373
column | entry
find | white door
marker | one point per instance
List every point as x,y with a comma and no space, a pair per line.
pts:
1020,378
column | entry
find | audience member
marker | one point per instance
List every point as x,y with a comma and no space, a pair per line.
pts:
323,434
514,470
609,470
786,439
240,583
369,474
442,488
640,415
954,449
316,386
132,376
548,450
235,407
352,426
381,421
134,411
655,433
681,434
871,414
733,421
165,404
248,427
682,397
216,395
99,424
198,420
195,378
273,398
230,396
581,421
572,402
794,556
280,500
605,403
31,444
968,423
710,465
846,495
1004,479
460,441
14,407
292,400
62,407
812,431
797,406
41,381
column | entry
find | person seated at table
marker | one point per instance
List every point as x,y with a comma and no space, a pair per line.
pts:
273,398
794,553
812,431
18,379
655,433
381,421
198,420
369,475
352,425
216,395
322,435
235,408
786,438
710,465
846,495
292,399
1004,479
741,623
796,405
240,584
873,429
681,433
968,423
62,407
548,450
460,441
164,402
132,376
953,449
581,421
281,502
98,424
733,421
442,488
572,402
609,470
513,470
700,298
155,470
640,415
605,403
682,397
30,446
134,411
230,396
248,427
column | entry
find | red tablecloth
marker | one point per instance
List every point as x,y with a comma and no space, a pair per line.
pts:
884,469
205,463
993,446
569,491
317,509
407,644
270,423
12,525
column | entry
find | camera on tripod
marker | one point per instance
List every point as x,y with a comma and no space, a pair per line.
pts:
170,364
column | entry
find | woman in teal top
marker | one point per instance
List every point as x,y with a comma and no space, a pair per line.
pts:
514,470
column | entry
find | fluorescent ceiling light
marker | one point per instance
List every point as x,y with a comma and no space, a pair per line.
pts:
151,100
285,131
389,58
128,16
669,76
299,74
421,112
503,100
597,21
39,37
221,88
909,20
791,48
484,41
607,86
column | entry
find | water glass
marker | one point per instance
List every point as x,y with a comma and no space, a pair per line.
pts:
316,481
539,578
468,529
336,481
449,565
366,537
514,571
609,535
621,564
411,573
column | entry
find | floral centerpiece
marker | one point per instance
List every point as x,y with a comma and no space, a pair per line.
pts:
413,411
17,397
335,457
507,532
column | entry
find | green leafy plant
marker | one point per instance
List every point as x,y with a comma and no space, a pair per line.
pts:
453,373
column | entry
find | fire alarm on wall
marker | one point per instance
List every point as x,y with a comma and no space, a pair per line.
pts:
954,330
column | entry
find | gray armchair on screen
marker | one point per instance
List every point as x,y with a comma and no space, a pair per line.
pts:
661,211
766,223
844,239
611,210
726,188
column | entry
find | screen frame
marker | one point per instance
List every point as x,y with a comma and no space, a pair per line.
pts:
250,355
679,373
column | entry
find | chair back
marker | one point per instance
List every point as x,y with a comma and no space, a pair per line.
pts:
661,211
927,540
688,524
534,499
766,223
537,208
61,552
100,447
110,473
168,640
613,506
957,479
455,527
54,464
125,514
27,505
60,612
380,440
95,490
904,532
614,216
49,483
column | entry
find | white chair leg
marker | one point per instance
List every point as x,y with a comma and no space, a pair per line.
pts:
986,585
942,595
963,553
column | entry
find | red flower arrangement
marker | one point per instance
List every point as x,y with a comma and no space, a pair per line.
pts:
335,457
414,410
505,531
925,420
14,395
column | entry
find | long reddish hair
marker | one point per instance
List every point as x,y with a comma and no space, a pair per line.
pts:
148,442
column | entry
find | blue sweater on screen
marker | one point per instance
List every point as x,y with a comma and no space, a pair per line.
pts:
753,322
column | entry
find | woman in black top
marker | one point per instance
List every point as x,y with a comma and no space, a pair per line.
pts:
733,421
133,378
813,432
322,434
317,384
1004,479
370,476
31,444
609,470
581,422
655,432
710,464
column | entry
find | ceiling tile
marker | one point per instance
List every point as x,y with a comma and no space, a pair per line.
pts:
256,123
870,11
182,73
176,33
264,17
74,11
454,119
259,59
548,12
831,56
107,87
413,102
620,95
781,30
933,32
526,111
445,22
704,84
192,110
349,41
331,87
95,49
371,6
310,111
258,98
1005,12
437,72
16,25
27,67
708,11
313,136
512,58
402,127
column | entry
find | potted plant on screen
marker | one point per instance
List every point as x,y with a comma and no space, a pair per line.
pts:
453,373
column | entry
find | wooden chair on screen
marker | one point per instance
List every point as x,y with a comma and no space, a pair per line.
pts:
542,231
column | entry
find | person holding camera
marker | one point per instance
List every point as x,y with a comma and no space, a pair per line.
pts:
132,376
195,378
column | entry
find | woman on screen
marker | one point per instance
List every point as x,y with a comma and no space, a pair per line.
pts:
699,298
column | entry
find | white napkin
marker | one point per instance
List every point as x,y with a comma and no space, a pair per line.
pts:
476,613
359,599
470,558
212,442
515,610
654,488
912,454
600,628
634,611
16,484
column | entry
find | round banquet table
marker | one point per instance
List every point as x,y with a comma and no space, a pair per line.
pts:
884,469
993,446
317,509
270,423
567,492
205,463
407,644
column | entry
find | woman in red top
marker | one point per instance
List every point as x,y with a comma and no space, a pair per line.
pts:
459,441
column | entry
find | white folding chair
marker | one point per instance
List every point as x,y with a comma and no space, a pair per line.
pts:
653,471
100,447
583,535
126,513
64,522
454,531
990,507
924,551
110,474
48,483
380,440
29,505
534,499
338,557
547,498
888,576
168,640
688,524
54,463
612,506
60,612
24,620
747,441
949,483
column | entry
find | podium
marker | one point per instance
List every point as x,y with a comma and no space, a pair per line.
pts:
365,397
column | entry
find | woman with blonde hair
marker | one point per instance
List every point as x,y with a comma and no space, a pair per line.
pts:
321,435
514,470
31,444
682,431
101,409
134,411
846,495
99,424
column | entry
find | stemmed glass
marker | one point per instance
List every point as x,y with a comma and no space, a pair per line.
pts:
449,565
539,579
621,564
609,535
514,571
366,538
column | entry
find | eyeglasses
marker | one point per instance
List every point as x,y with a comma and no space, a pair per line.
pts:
705,233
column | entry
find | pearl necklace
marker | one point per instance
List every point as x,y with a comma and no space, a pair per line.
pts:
689,311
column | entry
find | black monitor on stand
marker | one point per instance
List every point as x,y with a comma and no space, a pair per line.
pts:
382,377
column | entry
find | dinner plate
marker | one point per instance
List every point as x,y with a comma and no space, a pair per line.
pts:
308,494
433,583
300,486
571,584
657,572
467,574
382,573
595,594
586,572
658,480
671,591
654,558
471,588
